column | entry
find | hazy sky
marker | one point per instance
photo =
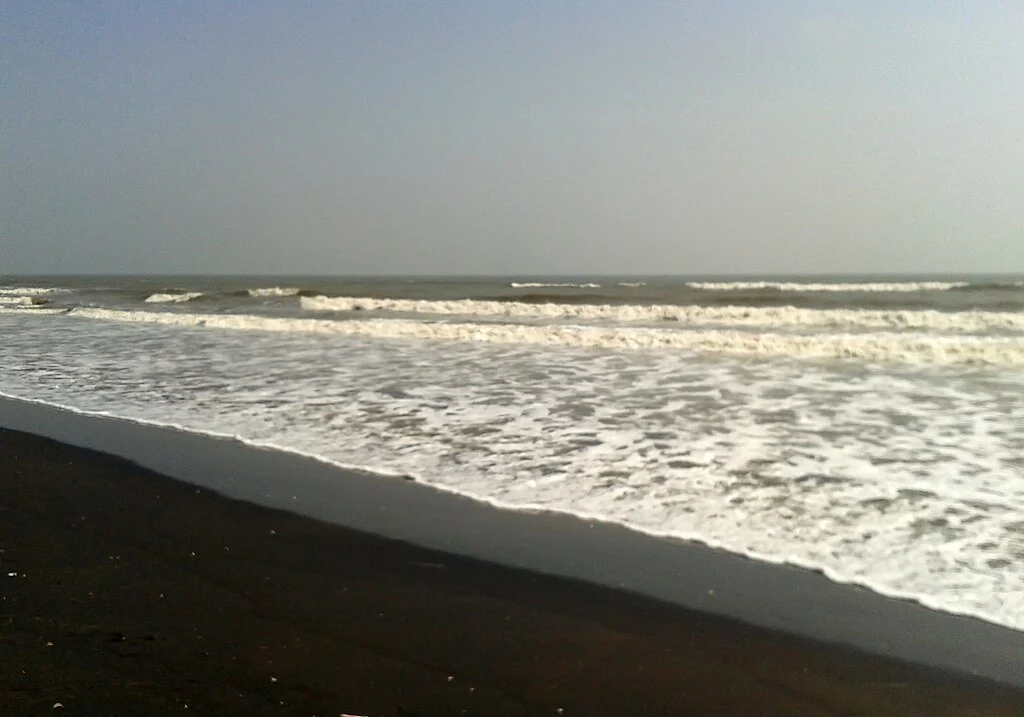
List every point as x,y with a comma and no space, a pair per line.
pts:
511,137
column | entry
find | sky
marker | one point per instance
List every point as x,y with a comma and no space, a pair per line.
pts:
378,137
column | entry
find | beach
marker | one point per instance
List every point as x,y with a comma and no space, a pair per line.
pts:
504,359
618,495
124,590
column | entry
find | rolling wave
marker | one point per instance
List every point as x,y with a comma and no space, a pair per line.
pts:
31,291
992,286
8,300
908,286
177,298
273,291
884,347
539,285
924,320
541,297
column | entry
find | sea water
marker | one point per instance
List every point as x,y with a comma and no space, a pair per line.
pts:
870,428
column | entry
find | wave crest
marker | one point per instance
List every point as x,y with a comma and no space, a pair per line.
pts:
903,286
882,347
31,291
772,316
539,285
177,298
273,291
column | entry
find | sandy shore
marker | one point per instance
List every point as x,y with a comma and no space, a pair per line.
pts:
125,592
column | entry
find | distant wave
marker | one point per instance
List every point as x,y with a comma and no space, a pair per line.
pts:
546,297
769,316
534,285
173,298
992,286
31,291
908,286
888,347
632,284
273,291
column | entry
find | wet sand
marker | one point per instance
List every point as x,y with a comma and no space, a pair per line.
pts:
126,592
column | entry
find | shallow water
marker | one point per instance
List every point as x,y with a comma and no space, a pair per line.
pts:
902,474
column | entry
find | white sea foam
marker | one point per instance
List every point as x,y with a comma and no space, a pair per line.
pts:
540,285
902,286
7,300
770,316
31,291
173,298
905,347
31,309
273,291
905,481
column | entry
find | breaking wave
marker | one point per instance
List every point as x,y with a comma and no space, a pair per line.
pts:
178,298
539,285
31,291
992,286
883,347
771,316
907,286
8,300
273,291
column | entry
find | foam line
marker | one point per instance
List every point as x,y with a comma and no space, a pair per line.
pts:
316,508
539,285
927,320
913,348
31,291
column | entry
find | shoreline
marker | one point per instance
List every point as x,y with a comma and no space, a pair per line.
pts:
134,591
788,599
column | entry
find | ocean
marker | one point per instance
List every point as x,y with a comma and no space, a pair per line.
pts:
870,428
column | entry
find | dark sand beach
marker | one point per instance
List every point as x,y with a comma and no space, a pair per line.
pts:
125,592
